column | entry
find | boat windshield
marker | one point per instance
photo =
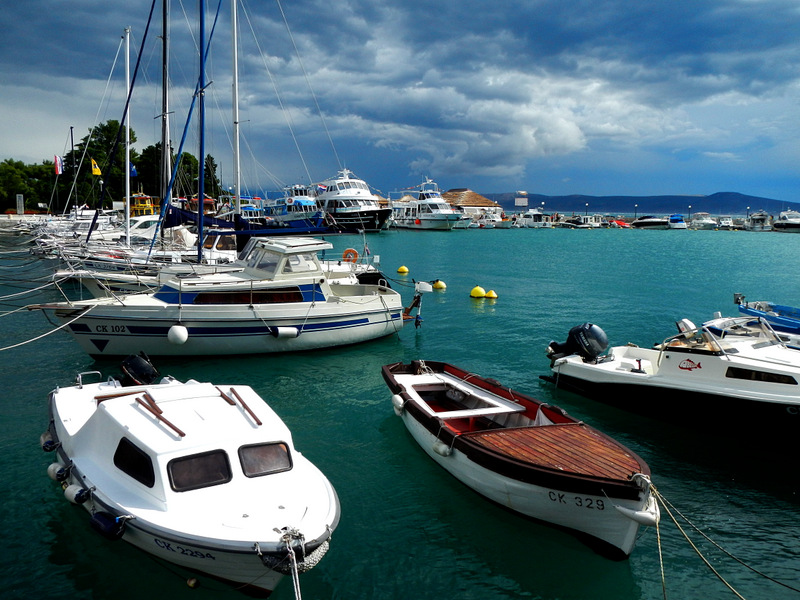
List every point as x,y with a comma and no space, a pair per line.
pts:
265,261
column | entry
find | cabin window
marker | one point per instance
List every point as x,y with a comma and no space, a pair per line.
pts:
273,296
133,461
199,471
299,263
752,375
264,459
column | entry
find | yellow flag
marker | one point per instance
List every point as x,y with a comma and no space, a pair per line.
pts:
95,168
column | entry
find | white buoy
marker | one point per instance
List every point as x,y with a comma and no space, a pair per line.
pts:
178,334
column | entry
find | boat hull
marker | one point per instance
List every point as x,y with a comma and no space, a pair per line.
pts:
121,330
592,514
423,224
739,405
369,220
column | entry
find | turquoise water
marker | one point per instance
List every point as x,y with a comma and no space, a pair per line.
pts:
408,529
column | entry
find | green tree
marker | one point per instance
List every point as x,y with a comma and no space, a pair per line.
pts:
14,180
105,145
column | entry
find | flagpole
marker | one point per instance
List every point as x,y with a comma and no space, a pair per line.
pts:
127,136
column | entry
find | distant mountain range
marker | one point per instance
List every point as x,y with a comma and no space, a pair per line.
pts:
721,203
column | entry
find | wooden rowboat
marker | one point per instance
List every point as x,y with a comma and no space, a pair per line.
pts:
531,457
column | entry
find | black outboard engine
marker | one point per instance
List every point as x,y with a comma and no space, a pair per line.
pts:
587,341
138,370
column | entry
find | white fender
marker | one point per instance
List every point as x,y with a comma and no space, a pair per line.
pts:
178,334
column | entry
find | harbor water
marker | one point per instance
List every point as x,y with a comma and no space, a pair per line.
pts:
408,529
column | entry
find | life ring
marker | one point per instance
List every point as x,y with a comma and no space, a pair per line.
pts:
350,255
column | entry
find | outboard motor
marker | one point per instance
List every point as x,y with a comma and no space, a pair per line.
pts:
587,341
138,370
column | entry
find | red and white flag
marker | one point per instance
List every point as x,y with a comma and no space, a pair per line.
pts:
59,165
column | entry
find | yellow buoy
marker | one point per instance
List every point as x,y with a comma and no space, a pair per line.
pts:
439,285
491,294
403,269
477,292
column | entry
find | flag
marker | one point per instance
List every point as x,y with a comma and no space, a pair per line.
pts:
321,188
95,168
59,164
133,170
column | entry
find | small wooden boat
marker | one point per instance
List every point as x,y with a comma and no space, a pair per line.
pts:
202,476
530,457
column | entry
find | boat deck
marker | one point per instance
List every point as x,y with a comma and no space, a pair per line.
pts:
569,447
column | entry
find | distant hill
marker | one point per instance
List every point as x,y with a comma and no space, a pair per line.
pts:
721,203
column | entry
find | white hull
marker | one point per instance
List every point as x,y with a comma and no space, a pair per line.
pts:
117,330
592,515
433,224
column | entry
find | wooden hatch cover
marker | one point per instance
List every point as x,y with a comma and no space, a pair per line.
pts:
569,447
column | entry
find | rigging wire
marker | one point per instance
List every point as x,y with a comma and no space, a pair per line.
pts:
311,89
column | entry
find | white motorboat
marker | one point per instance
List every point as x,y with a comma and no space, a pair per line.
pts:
533,218
703,220
524,455
732,377
199,475
758,221
426,210
787,222
650,222
676,221
350,204
726,223
280,300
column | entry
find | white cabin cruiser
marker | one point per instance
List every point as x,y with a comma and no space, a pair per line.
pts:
428,210
202,476
280,300
350,203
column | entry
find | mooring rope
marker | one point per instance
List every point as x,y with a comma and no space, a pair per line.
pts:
666,503
28,291
295,571
48,333
661,558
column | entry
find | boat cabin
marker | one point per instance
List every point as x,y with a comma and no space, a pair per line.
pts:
153,446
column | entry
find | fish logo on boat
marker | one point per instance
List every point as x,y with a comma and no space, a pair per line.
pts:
689,365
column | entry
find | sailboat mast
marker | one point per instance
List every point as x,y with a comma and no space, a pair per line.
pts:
128,135
202,117
166,154
236,163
